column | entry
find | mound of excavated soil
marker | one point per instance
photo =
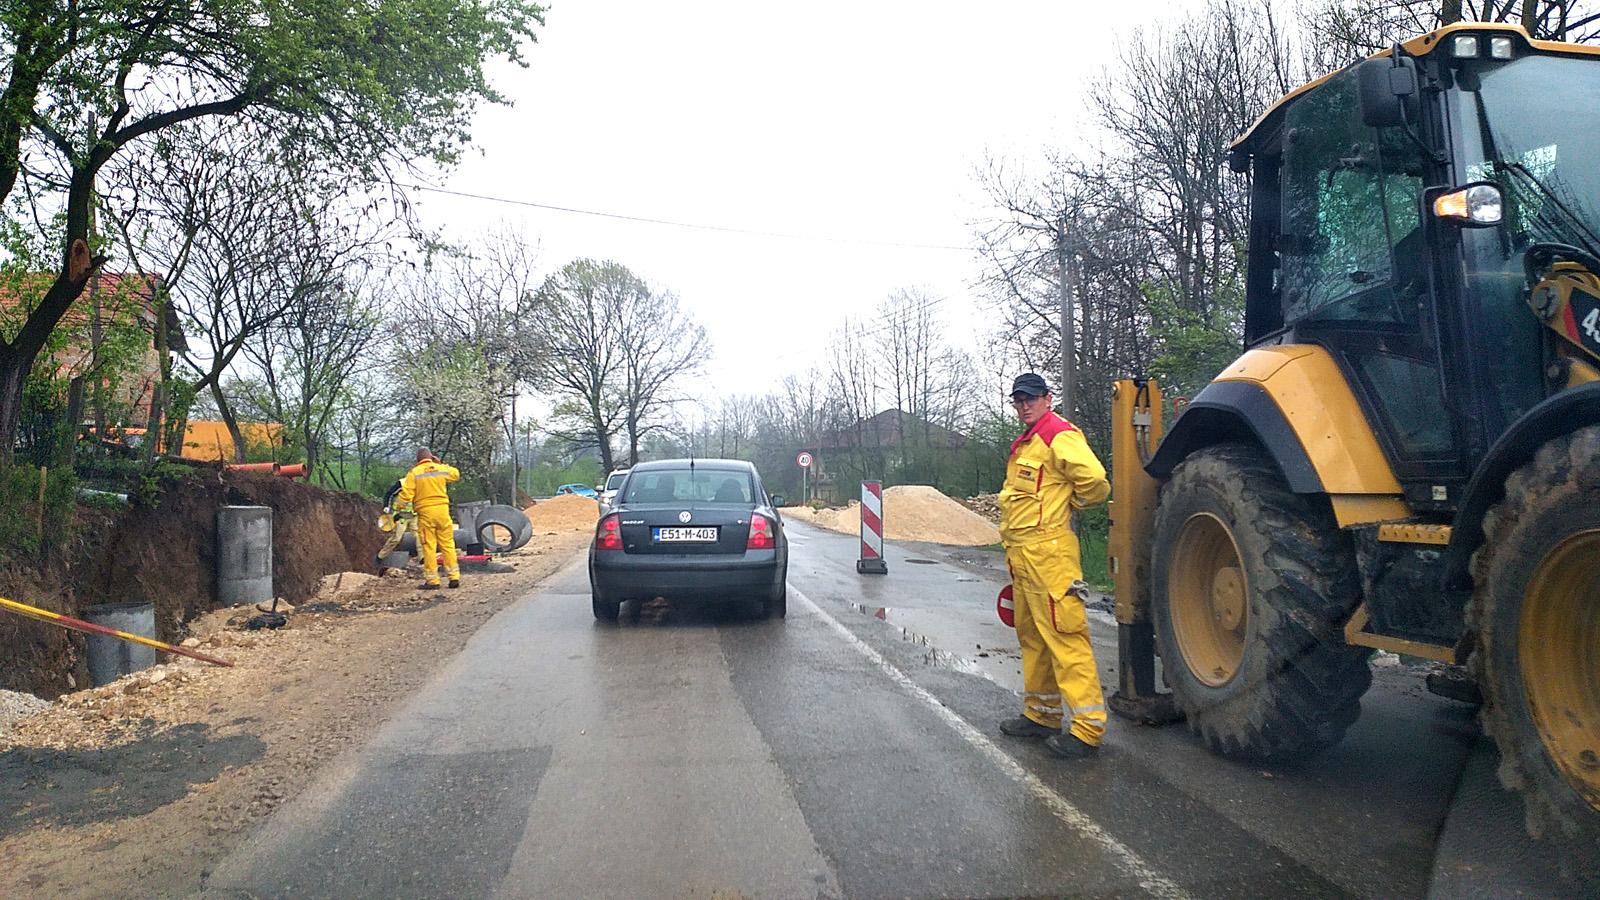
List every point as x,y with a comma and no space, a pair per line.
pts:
911,512
164,553
567,512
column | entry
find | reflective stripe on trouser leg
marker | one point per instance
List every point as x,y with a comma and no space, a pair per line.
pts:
428,548
1073,660
1042,573
447,541
1041,698
437,521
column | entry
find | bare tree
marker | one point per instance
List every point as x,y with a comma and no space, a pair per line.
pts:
659,344
1351,30
256,239
307,360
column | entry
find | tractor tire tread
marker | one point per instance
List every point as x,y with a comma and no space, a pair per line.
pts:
1563,474
1313,688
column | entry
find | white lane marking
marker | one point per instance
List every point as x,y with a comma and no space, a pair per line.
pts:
1149,879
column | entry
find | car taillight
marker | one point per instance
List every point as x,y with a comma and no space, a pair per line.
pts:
761,537
608,536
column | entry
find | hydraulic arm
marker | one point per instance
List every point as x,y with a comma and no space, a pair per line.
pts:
1135,432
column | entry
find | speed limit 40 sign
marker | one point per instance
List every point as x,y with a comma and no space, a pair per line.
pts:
803,460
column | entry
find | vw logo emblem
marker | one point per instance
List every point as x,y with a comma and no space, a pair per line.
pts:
683,516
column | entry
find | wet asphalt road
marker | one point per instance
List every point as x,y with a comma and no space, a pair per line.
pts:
849,751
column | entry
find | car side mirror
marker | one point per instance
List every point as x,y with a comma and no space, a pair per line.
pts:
1388,90
777,499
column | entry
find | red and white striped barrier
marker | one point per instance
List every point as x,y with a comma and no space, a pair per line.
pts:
872,561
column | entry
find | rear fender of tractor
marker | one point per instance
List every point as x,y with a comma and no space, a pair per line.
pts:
1563,413
1237,411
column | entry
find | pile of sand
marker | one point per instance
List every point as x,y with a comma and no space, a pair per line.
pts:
567,512
911,512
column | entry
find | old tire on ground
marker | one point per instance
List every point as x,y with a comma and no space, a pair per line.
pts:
1535,613
1251,587
604,610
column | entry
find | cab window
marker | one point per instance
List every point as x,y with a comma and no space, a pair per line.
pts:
1350,239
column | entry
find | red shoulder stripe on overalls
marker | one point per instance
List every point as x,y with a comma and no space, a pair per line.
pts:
1046,428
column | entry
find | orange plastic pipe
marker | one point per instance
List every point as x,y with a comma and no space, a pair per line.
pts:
293,470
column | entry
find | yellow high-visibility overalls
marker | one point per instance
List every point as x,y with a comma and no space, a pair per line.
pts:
1051,472
424,488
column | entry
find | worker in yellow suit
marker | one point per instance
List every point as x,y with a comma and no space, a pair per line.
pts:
424,490
1051,472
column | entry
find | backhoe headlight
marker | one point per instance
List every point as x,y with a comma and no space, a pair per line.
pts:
1500,48
1464,46
1476,205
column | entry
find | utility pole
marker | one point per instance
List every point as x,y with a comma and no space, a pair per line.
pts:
1068,337
512,444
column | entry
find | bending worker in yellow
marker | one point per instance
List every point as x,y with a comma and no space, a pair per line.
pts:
423,489
1051,472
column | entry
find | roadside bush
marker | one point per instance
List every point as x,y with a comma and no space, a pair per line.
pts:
141,481
1094,533
27,530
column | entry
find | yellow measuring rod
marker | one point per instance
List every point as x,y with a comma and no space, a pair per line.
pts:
46,615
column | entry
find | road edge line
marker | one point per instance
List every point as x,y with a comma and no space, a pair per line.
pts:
1062,808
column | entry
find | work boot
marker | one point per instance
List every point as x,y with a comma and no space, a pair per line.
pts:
429,587
1068,746
455,582
1022,726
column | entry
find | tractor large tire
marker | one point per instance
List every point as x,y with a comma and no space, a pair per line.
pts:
1535,613
1251,587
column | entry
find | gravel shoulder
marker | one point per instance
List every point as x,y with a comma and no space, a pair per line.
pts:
137,788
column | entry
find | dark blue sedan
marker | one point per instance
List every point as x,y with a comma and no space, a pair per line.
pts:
701,530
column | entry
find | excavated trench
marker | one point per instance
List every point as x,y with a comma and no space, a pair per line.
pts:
165,554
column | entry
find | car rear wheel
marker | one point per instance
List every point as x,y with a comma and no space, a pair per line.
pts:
605,610
777,605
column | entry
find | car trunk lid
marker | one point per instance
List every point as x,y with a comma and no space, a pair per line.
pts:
683,529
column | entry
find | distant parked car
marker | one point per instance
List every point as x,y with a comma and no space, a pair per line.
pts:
582,490
609,490
697,530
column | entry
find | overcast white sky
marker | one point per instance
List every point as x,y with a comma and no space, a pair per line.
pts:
859,124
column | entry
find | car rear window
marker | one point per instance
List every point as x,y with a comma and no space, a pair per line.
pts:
615,481
686,486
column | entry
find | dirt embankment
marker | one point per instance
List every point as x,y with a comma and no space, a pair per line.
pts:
165,554
138,788
911,512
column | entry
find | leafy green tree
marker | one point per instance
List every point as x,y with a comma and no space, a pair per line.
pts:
362,86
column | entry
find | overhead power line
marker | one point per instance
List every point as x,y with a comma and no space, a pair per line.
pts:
830,239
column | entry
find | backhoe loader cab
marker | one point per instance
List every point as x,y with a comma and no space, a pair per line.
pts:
1407,455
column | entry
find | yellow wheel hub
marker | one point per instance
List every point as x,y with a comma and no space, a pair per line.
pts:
1559,651
1209,598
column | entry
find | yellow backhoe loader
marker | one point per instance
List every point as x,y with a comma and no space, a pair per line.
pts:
1407,455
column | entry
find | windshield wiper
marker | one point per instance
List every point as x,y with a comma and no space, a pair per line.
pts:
1584,234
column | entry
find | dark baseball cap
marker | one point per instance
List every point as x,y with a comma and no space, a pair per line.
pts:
1031,384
